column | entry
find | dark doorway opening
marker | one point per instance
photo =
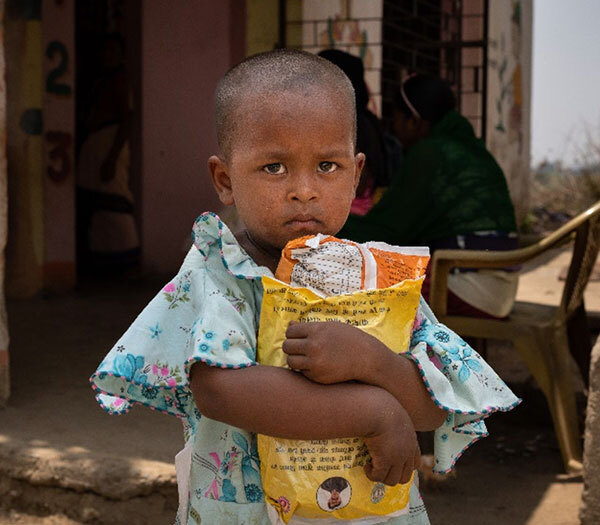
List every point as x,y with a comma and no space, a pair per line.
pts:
108,155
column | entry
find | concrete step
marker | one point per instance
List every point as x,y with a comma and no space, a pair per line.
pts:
87,487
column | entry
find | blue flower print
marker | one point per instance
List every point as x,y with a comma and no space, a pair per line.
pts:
130,367
155,331
441,336
209,335
149,392
254,493
228,491
250,467
226,344
444,437
186,287
468,364
204,348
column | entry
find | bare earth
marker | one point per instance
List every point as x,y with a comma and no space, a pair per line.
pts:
512,477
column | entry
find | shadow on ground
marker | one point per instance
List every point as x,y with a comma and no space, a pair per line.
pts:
60,452
512,477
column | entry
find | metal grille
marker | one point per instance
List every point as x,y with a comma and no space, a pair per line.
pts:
440,37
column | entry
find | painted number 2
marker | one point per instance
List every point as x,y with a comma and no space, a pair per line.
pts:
53,84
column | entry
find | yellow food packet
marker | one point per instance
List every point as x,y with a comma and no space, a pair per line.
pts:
325,478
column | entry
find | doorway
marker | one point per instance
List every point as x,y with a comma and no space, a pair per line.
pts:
107,145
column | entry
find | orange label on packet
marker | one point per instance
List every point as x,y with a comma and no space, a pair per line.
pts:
338,266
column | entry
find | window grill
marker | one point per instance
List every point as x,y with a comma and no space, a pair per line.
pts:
440,37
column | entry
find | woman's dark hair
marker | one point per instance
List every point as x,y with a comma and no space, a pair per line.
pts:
429,95
355,71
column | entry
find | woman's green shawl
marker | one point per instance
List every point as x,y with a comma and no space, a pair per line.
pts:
448,185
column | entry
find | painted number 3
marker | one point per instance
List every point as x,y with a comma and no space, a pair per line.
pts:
59,154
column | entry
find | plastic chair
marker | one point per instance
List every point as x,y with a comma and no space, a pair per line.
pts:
543,335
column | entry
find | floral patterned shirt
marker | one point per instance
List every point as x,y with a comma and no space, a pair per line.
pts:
210,313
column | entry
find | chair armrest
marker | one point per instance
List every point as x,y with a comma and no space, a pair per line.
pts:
444,260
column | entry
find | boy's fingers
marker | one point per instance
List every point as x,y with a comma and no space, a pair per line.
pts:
378,473
294,347
394,476
406,472
296,330
297,362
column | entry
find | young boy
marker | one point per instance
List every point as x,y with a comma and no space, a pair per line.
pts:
286,129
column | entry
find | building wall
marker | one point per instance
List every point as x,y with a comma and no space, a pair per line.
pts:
4,365
262,26
59,143
353,26
40,146
23,55
186,47
509,94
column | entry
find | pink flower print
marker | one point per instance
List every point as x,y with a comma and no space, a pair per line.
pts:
285,504
155,369
164,371
169,288
171,381
118,402
216,459
418,321
213,490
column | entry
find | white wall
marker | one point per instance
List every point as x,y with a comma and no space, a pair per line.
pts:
509,94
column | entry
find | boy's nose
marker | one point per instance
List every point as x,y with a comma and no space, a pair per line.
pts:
304,188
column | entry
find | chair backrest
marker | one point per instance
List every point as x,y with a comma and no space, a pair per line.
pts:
585,252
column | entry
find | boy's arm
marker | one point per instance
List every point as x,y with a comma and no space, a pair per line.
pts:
282,403
335,352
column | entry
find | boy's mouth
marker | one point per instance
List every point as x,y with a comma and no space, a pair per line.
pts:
303,222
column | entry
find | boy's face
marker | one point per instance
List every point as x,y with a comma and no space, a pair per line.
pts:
292,170
335,499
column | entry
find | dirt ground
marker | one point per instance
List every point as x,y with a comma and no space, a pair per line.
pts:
512,477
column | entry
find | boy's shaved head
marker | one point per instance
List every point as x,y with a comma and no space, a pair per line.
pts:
267,75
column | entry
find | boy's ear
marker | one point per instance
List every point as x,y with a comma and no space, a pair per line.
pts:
359,163
219,174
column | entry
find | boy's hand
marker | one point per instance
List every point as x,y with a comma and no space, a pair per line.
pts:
330,352
394,449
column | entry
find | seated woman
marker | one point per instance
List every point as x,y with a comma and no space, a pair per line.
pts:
371,139
448,193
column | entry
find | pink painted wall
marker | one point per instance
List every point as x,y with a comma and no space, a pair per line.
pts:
59,126
186,48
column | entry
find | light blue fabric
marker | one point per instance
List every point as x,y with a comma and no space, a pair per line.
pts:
209,312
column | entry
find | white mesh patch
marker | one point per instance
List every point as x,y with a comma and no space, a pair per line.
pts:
331,269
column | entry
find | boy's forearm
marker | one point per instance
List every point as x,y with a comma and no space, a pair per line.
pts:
281,403
400,376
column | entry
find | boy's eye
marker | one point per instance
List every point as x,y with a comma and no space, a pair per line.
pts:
327,167
274,169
